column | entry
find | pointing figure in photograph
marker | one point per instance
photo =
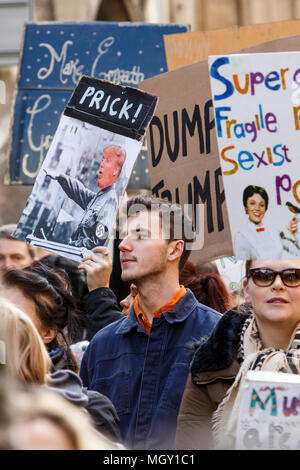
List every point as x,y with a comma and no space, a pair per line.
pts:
98,207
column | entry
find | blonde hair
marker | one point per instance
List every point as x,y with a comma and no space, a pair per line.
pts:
26,357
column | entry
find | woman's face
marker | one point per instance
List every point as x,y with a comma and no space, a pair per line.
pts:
16,296
276,304
255,208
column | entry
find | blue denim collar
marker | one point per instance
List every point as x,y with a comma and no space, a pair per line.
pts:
182,310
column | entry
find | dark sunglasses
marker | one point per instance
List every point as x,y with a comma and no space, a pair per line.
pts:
264,277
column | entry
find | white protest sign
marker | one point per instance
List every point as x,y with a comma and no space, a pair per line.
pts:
232,272
78,190
269,415
256,103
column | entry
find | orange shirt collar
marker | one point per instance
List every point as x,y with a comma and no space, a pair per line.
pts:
142,319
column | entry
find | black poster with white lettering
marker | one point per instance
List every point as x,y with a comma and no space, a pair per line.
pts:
77,193
117,108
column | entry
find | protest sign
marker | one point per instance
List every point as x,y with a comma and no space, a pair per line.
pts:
269,412
232,272
77,193
183,157
53,57
257,121
189,48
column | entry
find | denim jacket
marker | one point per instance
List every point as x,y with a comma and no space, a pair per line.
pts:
145,375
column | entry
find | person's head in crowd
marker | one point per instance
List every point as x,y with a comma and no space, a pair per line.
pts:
45,296
272,287
206,268
111,165
26,356
261,336
43,420
157,239
209,289
14,253
126,303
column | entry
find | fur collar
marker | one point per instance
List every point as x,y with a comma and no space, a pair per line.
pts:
217,351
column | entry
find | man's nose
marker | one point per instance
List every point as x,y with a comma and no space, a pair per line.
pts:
125,244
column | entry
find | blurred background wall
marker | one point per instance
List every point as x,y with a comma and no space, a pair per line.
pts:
199,14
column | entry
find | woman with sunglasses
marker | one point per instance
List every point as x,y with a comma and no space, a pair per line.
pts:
262,334
255,239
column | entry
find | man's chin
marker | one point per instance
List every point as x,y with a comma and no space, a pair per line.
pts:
126,277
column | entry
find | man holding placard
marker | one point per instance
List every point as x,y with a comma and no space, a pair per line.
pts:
141,361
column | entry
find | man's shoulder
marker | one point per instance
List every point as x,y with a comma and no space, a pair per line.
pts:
203,318
197,307
210,312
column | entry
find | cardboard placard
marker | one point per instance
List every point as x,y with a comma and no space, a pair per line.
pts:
78,191
257,122
268,417
53,57
183,156
189,48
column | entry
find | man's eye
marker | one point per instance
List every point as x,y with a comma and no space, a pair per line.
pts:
141,236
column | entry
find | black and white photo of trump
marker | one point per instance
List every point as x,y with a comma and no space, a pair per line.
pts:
99,207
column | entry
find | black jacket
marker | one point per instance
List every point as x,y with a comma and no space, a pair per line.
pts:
101,308
219,350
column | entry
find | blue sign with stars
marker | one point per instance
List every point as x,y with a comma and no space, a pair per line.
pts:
53,58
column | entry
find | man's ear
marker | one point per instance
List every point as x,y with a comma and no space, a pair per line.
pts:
175,249
246,293
48,334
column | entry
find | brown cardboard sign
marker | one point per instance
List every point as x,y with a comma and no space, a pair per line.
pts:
188,48
183,157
